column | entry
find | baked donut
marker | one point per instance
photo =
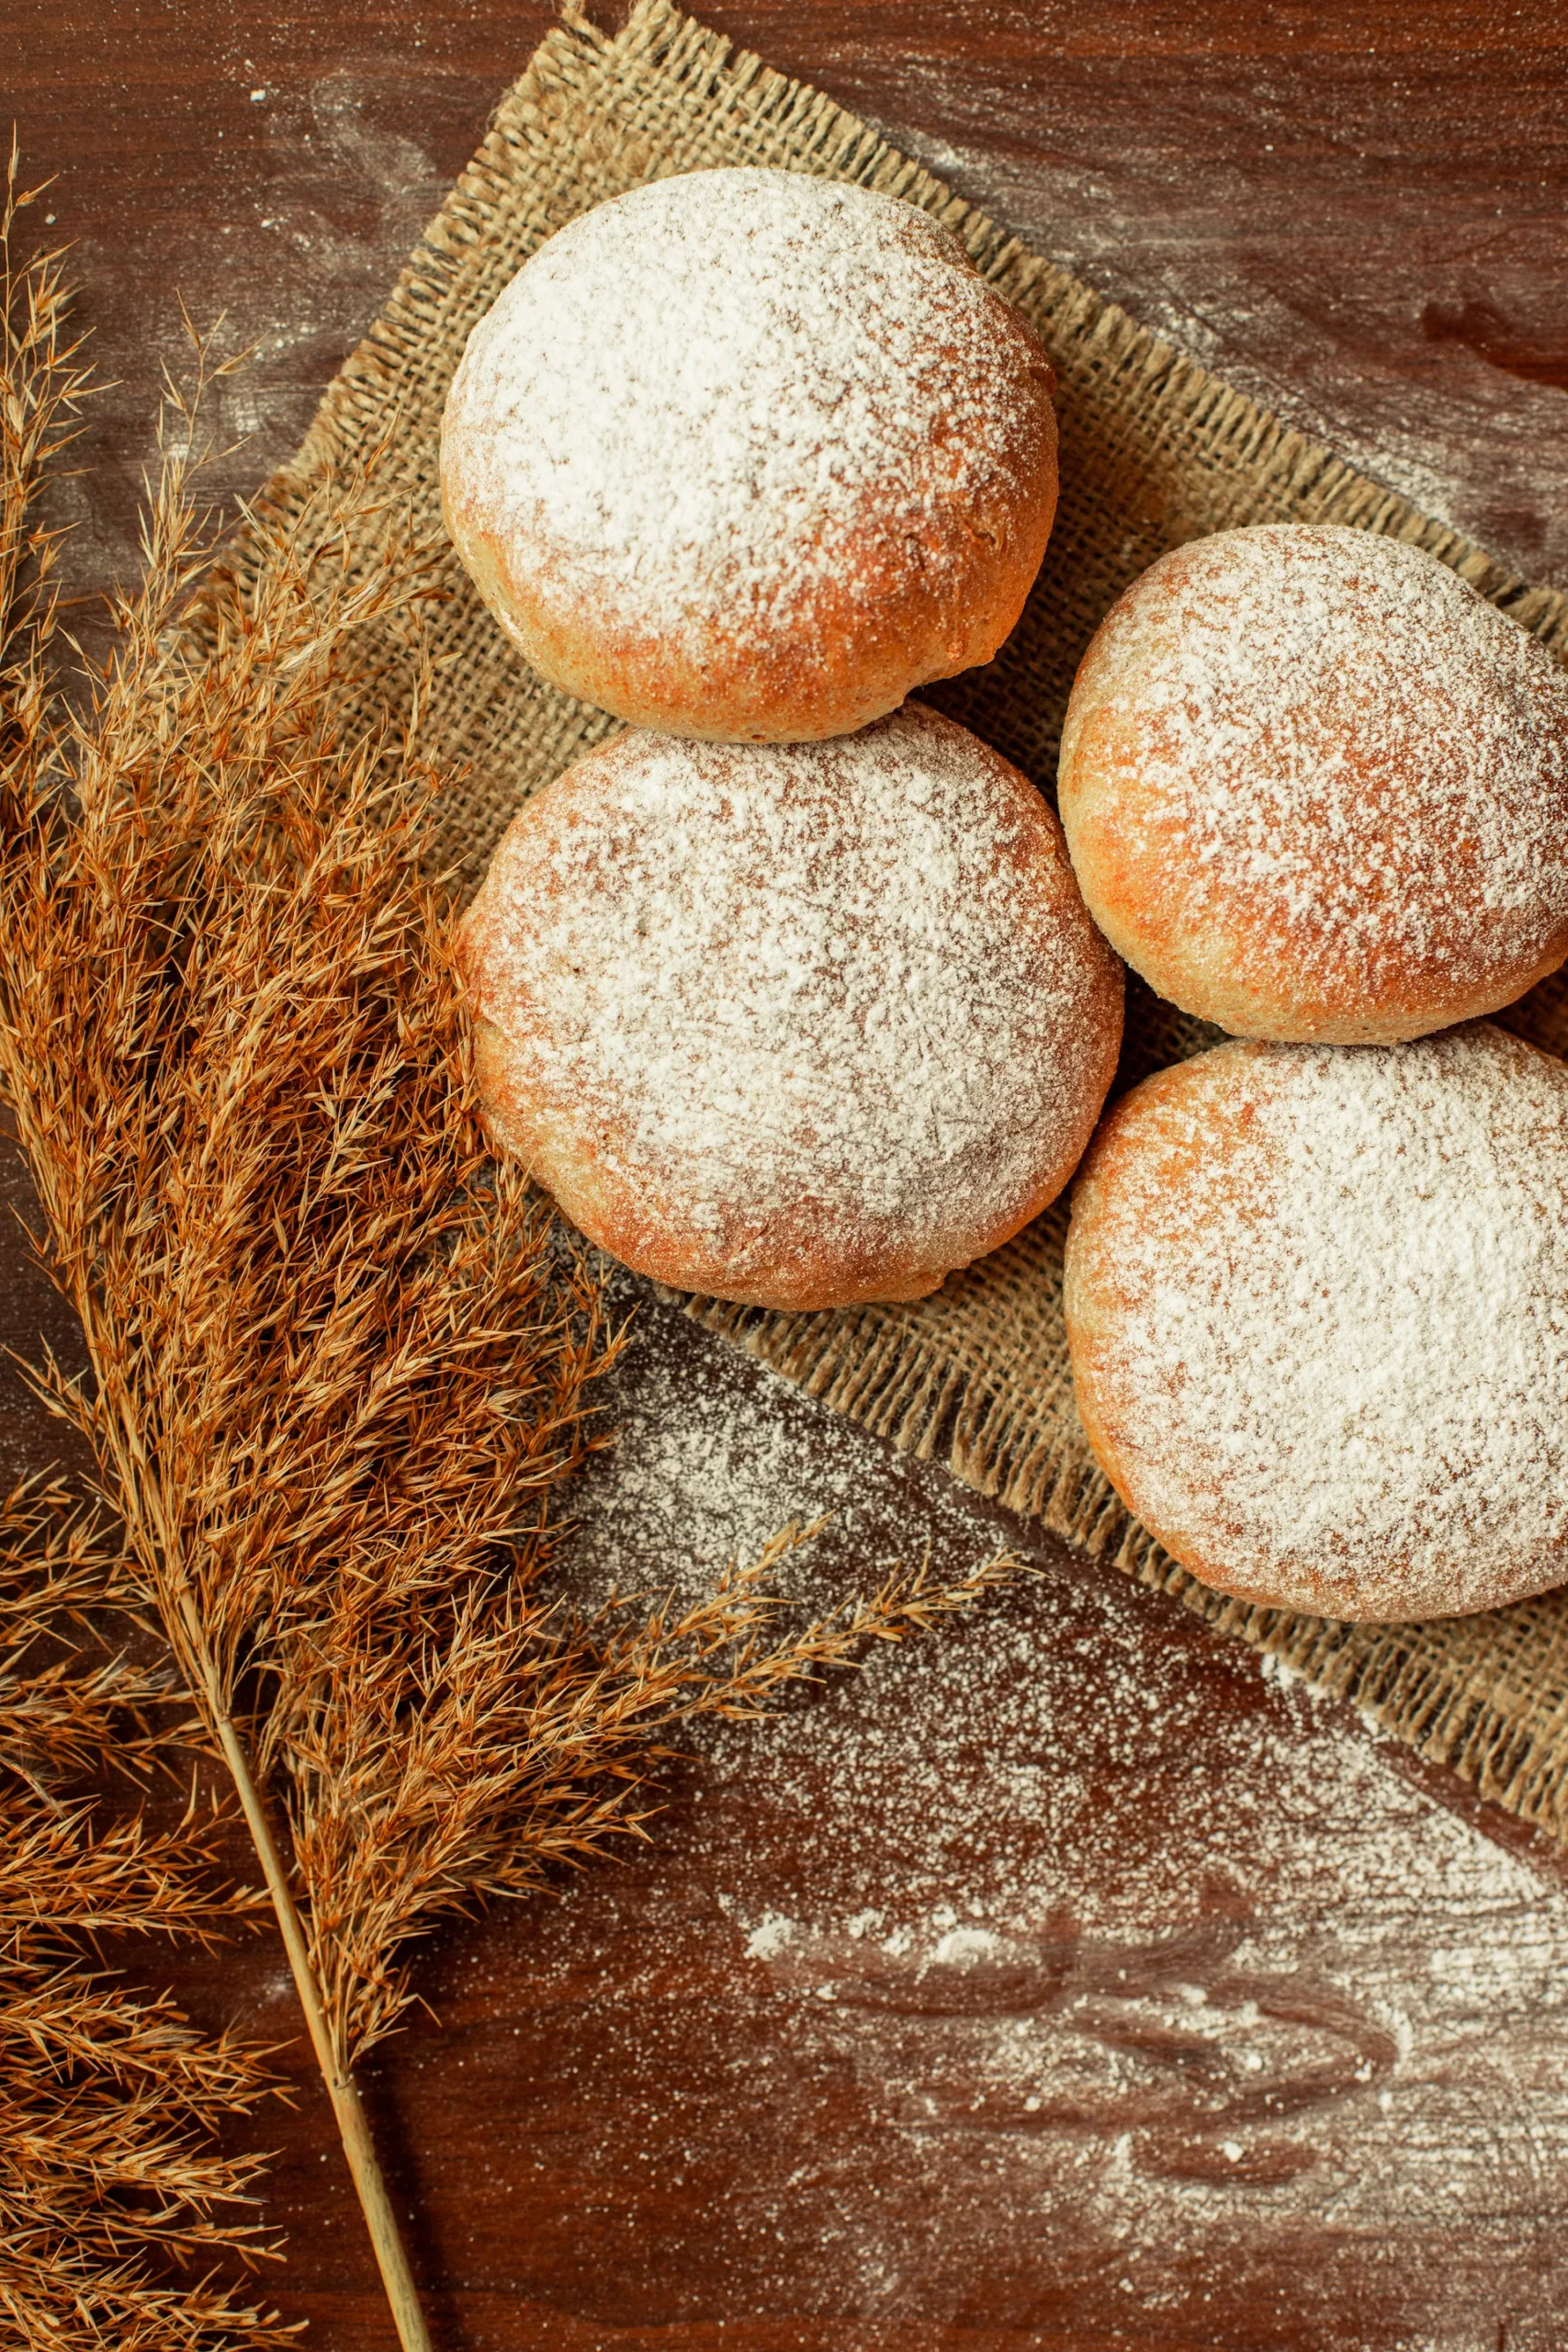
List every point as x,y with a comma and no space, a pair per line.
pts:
1314,786
749,454
798,1026
1317,1308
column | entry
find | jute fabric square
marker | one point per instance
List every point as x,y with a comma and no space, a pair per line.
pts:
1154,451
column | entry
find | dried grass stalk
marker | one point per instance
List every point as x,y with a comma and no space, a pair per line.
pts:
108,2100
340,1360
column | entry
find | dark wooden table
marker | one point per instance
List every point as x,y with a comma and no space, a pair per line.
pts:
1061,1981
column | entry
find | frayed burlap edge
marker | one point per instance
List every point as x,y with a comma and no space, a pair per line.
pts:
1487,1696
1418,1683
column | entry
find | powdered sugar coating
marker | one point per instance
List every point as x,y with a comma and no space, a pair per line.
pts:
738,411
798,1023
1317,1301
1314,786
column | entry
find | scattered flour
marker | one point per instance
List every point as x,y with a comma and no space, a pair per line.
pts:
770,1938
1064,1945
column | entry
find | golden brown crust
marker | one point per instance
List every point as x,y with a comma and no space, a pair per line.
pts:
1314,789
747,455
803,1264
801,1267
822,1191
1313,1306
898,615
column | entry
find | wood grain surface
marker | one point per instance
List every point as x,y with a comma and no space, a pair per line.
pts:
1060,1981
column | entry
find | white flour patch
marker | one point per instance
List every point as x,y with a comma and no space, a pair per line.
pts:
700,1475
773,1935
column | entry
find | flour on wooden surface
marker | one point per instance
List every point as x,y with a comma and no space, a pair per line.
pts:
1191,242
699,401
1063,1944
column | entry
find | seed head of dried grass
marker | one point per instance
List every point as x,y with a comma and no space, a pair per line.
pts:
340,1360
109,2098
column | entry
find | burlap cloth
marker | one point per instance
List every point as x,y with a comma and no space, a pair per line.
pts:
1154,451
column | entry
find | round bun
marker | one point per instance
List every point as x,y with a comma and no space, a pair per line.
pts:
747,455
1317,788
795,1026
1317,1306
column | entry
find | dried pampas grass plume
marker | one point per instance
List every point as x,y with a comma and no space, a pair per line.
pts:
340,1360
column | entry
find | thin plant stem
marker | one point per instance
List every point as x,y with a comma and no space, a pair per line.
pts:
348,2107
137,1477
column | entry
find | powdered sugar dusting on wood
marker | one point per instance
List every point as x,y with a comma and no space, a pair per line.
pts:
1338,1359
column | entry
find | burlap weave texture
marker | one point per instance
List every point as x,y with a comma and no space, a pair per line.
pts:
1154,451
